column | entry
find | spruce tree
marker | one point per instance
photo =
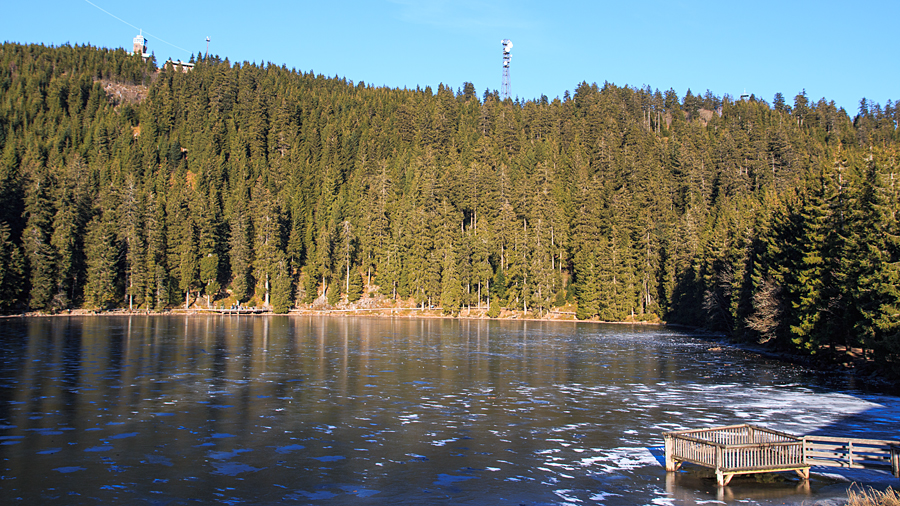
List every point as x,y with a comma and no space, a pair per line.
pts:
36,238
12,270
101,253
281,289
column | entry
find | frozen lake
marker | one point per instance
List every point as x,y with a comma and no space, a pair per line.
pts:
324,410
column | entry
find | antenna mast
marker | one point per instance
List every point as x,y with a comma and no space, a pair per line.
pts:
504,87
207,48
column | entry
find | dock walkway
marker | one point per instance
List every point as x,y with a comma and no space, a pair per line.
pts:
237,311
745,449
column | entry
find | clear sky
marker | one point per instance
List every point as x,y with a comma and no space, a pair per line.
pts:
840,50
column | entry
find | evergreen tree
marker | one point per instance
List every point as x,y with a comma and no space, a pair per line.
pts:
813,275
240,255
36,237
209,274
355,288
281,289
101,253
12,270
586,288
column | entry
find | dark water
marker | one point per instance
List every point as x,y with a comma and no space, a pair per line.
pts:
316,410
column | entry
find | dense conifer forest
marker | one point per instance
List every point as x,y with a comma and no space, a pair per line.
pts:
127,185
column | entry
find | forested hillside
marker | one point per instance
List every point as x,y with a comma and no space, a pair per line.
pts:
126,186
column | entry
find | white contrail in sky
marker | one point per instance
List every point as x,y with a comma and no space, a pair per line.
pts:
136,28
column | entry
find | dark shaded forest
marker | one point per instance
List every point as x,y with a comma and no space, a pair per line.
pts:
127,185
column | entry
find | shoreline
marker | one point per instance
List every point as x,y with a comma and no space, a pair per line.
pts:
379,312
858,370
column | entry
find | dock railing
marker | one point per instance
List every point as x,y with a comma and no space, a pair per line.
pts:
743,449
736,449
853,453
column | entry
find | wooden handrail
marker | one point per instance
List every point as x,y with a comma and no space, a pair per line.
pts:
855,453
745,448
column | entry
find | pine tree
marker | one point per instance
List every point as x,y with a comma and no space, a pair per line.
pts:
36,237
267,245
813,276
101,252
355,287
132,237
281,289
348,240
209,274
240,254
586,287
12,270
451,290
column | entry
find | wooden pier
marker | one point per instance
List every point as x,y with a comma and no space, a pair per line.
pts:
236,311
746,449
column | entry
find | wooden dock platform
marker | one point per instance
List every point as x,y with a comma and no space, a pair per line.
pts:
736,449
745,449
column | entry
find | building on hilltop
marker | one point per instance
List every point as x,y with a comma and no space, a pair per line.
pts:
140,45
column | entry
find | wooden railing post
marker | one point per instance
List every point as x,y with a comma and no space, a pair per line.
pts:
670,452
895,460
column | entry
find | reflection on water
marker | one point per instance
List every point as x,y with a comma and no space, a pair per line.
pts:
306,409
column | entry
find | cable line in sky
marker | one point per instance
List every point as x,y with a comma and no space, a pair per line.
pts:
136,28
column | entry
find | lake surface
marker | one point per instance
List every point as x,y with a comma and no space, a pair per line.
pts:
333,410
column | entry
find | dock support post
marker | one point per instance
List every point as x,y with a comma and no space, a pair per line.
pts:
723,479
671,464
895,460
670,452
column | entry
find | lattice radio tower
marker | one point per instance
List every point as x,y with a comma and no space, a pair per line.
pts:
504,87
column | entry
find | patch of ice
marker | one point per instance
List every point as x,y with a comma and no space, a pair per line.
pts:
329,458
289,448
834,476
69,469
321,494
158,459
228,455
449,479
443,442
621,459
564,495
104,448
125,435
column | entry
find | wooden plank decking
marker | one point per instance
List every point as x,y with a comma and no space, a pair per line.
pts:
744,449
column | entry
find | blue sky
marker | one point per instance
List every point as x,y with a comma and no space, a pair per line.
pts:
839,50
